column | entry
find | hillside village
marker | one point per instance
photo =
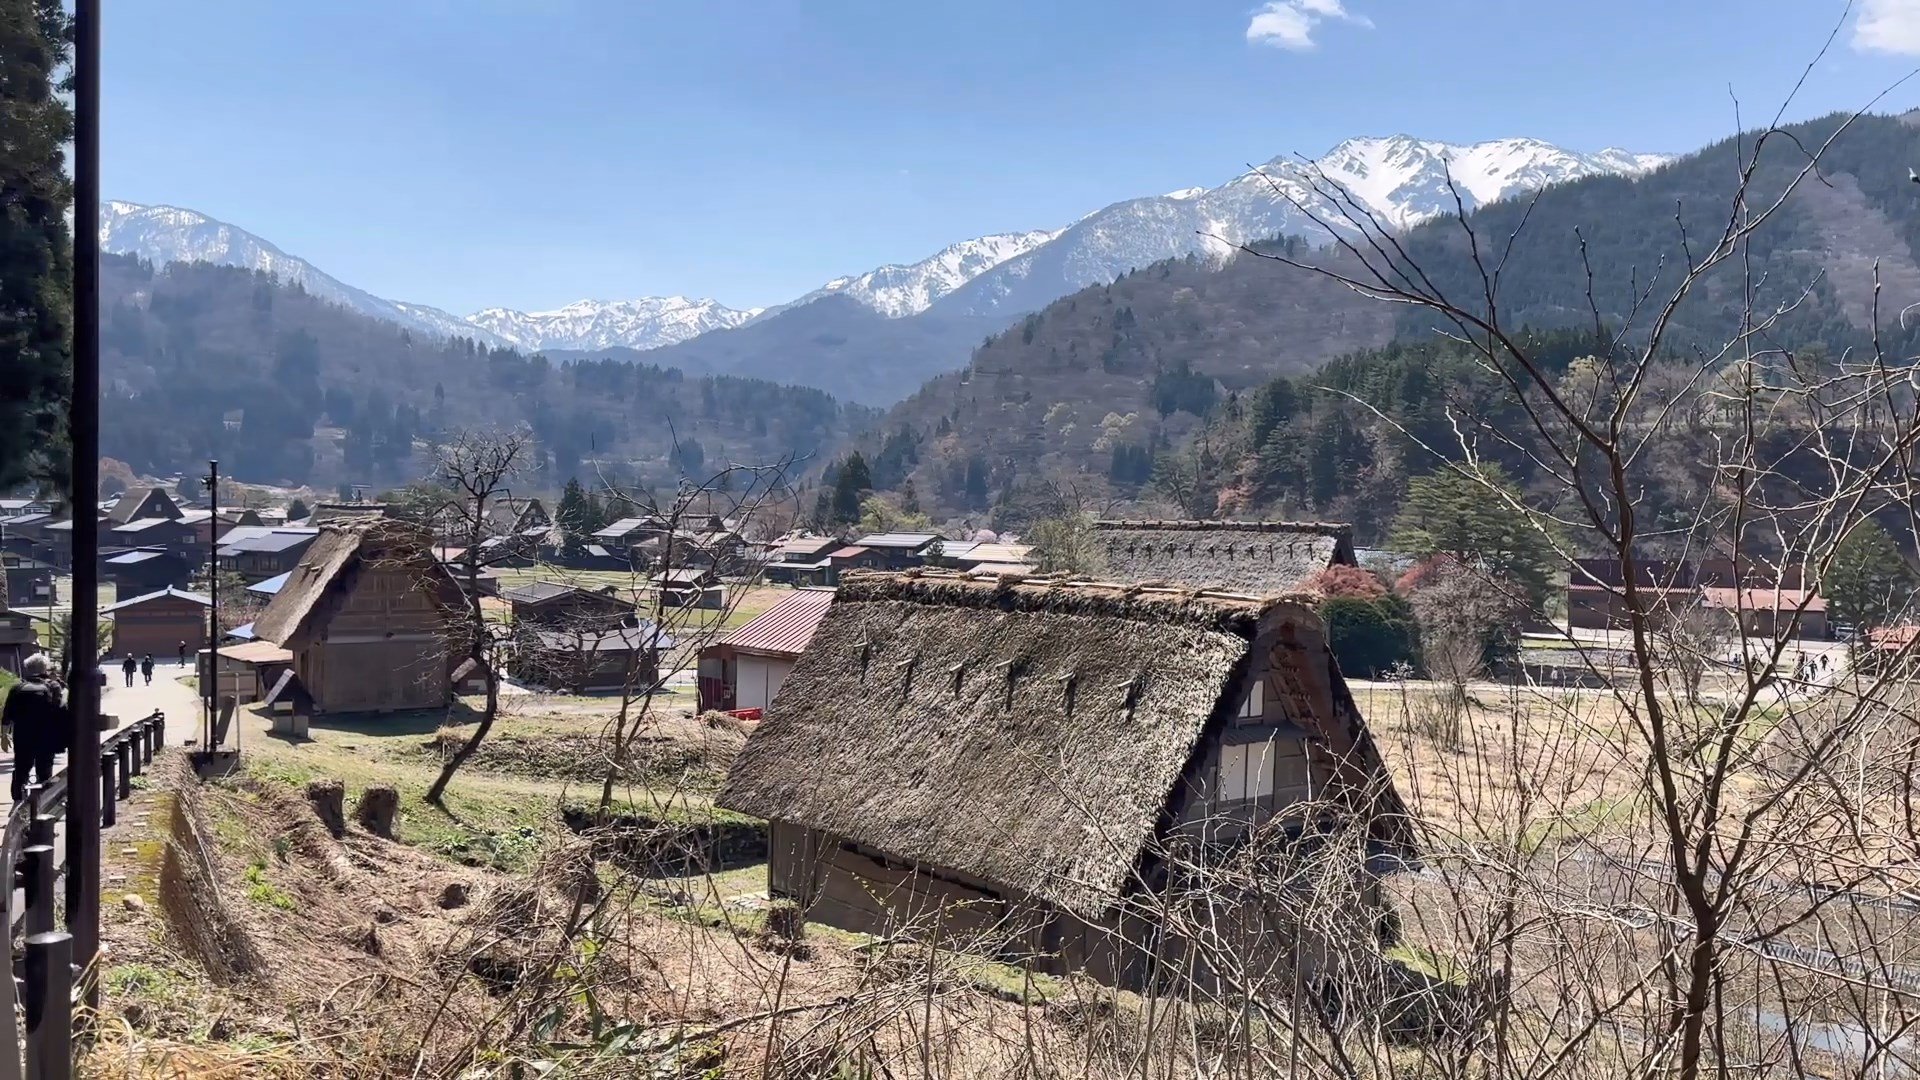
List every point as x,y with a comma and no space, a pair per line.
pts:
1437,607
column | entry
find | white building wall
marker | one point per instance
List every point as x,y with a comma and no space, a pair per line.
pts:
759,680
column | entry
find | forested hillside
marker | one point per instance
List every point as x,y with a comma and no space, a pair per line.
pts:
1103,387
201,361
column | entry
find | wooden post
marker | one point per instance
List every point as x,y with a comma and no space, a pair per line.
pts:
123,767
108,814
41,829
36,882
49,1006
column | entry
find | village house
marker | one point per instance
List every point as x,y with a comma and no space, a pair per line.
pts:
746,666
143,503
147,569
690,587
30,581
17,505
628,531
852,557
1763,612
800,560
159,622
18,639
257,552
555,605
371,618
901,551
1262,558
150,532
989,557
210,524
584,661
1748,599
1044,764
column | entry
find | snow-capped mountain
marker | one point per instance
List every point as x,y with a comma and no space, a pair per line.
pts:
896,290
1400,179
168,234
646,323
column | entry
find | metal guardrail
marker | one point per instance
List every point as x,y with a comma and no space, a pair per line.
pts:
45,980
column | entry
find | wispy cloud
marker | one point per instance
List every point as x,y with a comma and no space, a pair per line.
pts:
1290,24
1889,26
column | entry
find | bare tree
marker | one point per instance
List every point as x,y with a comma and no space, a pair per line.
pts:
1801,446
478,466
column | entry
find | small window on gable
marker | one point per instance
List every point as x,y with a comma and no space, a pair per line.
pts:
1246,771
1254,705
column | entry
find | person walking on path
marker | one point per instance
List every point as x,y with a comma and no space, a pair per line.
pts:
183,654
128,667
34,723
146,668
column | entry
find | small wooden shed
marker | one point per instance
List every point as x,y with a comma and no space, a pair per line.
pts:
372,619
158,622
1020,763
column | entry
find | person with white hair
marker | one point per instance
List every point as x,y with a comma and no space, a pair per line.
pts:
34,723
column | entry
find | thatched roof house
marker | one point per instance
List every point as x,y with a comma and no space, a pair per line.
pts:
370,617
1262,558
1034,744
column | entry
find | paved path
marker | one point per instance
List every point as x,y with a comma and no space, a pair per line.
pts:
128,705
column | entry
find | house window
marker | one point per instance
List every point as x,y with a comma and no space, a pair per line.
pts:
1254,705
1246,771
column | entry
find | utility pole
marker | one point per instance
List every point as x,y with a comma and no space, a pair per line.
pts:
83,431
210,675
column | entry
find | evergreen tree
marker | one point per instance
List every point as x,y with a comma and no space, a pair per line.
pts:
1449,514
36,254
1869,582
571,515
849,488
909,499
297,510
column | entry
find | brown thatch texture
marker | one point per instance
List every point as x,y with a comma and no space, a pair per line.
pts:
929,717
1264,558
329,565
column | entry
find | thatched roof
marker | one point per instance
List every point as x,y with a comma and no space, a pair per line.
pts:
330,565
143,502
929,717
1264,558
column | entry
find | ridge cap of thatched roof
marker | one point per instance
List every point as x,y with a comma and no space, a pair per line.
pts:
1061,594
1339,530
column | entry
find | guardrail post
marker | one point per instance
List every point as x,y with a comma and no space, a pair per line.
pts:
123,761
41,829
49,1006
149,739
36,881
107,811
159,732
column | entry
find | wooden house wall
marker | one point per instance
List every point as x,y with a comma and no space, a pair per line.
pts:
848,886
159,626
383,646
1300,768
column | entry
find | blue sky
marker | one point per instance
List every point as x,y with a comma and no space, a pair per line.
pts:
525,153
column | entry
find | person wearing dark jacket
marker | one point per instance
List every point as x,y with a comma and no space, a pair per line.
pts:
35,720
128,667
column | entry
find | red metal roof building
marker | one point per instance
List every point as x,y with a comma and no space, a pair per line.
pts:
744,669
